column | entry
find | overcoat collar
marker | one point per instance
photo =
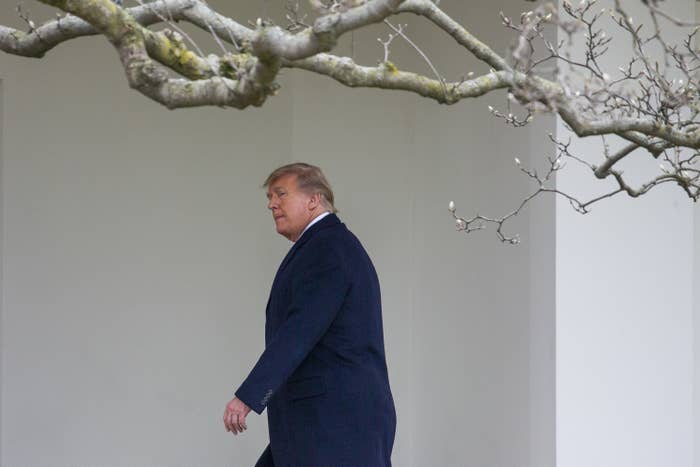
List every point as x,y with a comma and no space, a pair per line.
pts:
328,221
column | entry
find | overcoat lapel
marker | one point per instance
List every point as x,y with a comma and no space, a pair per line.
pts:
328,221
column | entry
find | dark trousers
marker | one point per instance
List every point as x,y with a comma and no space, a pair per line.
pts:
266,459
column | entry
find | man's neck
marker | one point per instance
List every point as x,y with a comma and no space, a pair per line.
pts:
316,218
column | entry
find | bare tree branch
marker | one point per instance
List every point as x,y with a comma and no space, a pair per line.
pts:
387,76
652,105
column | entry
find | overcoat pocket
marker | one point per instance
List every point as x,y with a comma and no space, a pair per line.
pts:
304,388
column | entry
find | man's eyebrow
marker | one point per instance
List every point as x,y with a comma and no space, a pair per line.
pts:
276,189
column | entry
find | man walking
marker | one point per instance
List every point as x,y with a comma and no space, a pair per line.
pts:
323,374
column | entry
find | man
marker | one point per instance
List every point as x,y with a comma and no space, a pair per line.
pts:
323,375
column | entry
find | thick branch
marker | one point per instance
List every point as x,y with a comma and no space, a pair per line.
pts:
589,127
165,47
322,37
47,36
132,41
387,76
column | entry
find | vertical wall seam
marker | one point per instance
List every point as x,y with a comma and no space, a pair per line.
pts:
694,309
411,297
2,253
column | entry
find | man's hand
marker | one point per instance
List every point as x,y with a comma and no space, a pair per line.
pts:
234,416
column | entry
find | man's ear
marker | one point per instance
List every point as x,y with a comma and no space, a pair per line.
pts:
314,201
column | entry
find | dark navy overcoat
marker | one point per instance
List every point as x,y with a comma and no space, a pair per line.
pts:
323,374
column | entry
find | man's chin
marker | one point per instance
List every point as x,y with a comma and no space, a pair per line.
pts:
281,231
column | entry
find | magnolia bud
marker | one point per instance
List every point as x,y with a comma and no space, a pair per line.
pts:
451,206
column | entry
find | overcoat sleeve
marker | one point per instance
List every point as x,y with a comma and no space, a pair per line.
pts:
316,297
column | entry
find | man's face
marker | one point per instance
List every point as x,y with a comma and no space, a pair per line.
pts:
292,209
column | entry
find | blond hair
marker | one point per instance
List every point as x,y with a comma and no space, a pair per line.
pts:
310,179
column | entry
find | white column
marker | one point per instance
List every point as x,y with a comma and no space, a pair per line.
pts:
624,320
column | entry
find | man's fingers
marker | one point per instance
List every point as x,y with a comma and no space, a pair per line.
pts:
234,423
234,416
226,421
230,425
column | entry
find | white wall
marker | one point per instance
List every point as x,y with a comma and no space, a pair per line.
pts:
138,257
624,322
138,254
